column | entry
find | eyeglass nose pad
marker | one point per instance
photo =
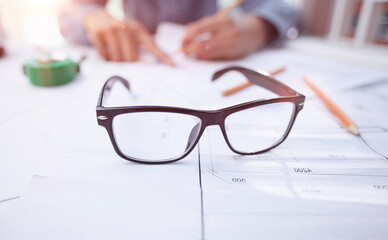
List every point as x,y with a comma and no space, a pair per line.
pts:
193,135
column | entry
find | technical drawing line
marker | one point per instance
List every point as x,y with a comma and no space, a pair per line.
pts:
200,187
367,85
9,199
296,174
371,129
372,149
294,214
215,175
304,174
331,130
210,151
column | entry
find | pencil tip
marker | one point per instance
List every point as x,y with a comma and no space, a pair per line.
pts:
353,129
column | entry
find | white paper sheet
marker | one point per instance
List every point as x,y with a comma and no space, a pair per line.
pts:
322,182
55,208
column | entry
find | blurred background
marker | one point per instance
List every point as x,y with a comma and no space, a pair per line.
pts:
362,21
348,24
35,22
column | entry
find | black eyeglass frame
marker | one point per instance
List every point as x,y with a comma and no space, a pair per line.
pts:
105,115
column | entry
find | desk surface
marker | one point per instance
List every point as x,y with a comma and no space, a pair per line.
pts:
60,178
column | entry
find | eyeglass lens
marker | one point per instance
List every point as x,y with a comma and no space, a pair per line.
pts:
155,136
259,128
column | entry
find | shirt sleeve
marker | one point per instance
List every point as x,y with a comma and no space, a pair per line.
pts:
71,19
281,15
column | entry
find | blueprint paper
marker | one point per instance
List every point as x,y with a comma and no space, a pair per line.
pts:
322,182
62,209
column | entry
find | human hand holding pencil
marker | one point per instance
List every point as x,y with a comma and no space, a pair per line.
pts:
227,38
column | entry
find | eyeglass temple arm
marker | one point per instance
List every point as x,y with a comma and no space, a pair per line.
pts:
108,86
260,80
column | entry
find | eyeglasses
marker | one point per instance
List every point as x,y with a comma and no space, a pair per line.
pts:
161,134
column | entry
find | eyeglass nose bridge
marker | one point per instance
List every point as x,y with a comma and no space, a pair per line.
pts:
208,119
213,118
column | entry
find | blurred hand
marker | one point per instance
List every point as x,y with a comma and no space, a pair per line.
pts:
227,38
120,40
2,38
2,51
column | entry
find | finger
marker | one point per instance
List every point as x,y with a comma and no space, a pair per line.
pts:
211,44
162,56
208,49
196,28
128,44
217,54
220,54
220,46
97,41
148,42
206,25
112,44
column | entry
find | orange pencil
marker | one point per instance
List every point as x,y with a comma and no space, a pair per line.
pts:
345,120
225,11
248,84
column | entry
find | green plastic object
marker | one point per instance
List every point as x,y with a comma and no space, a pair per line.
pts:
48,71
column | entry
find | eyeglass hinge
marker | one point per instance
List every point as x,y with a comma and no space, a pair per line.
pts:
102,117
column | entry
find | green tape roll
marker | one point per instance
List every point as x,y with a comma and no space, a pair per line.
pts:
48,71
